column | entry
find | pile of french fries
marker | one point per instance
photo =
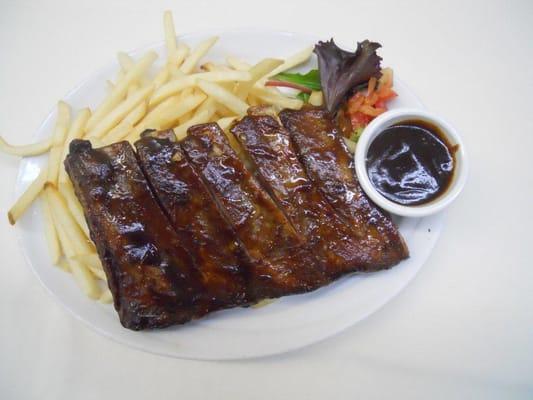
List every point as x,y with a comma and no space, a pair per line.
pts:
180,94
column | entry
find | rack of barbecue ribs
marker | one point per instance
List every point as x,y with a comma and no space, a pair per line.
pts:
226,219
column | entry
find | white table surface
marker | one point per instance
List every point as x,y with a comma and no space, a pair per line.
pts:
462,329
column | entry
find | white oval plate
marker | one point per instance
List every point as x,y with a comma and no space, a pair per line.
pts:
289,323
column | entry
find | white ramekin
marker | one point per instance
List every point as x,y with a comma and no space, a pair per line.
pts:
392,117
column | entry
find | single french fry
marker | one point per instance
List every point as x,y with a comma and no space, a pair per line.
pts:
58,141
78,125
253,101
316,98
234,144
224,97
74,206
63,216
115,116
92,261
170,37
238,64
184,118
136,114
161,78
208,105
62,124
281,101
257,72
75,132
292,61
132,89
198,118
109,86
29,195
120,89
224,76
26,150
181,53
118,133
201,50
172,88
95,142
120,76
125,126
54,161
50,231
63,264
223,111
208,66
226,122
125,61
212,67
106,297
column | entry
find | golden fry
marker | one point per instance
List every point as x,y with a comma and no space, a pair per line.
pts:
257,72
271,97
62,124
50,231
293,61
29,195
201,50
75,132
172,88
26,150
238,64
226,122
170,37
198,118
316,98
74,206
106,297
224,97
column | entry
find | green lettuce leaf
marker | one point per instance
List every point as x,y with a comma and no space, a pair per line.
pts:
310,80
303,96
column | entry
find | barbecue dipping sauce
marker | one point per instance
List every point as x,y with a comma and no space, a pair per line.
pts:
411,162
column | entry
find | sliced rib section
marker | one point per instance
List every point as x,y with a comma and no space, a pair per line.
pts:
195,217
281,263
268,146
149,273
330,166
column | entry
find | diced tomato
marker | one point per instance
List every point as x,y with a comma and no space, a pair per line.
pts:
364,106
358,119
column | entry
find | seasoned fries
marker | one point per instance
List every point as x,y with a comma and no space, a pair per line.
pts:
176,94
